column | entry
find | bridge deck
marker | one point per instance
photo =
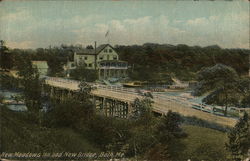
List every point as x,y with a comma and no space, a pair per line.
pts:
162,103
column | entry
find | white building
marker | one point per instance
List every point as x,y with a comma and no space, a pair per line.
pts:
103,58
41,66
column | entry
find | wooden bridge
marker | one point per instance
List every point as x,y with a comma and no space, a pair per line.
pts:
117,101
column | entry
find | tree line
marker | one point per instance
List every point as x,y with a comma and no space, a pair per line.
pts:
150,61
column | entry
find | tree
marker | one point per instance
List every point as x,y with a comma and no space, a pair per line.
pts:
142,110
55,66
6,59
220,81
29,76
142,134
244,90
167,134
70,113
89,47
169,127
239,139
84,87
1,99
81,73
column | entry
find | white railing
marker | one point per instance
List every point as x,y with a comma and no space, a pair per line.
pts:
73,85
113,67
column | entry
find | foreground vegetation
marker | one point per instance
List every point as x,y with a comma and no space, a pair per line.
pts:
72,125
20,134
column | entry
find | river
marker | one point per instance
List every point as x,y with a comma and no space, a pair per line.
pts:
8,97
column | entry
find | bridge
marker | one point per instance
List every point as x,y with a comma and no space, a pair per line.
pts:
117,101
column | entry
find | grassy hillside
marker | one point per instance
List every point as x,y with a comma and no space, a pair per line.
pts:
204,144
19,134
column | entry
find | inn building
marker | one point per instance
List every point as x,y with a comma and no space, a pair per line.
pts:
103,58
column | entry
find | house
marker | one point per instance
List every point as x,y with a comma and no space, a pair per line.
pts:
41,66
104,58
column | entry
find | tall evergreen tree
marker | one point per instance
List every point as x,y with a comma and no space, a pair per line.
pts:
239,139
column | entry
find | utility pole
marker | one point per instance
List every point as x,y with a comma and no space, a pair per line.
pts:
95,56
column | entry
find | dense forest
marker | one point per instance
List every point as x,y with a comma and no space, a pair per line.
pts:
154,60
148,62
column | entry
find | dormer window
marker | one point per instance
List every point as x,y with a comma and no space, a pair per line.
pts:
110,50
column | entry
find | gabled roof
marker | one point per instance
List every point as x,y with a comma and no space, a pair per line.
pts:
92,51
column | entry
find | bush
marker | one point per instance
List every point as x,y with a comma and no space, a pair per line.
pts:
68,114
81,73
203,123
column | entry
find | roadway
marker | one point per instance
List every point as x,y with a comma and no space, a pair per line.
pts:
162,103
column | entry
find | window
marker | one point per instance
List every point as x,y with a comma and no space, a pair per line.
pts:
105,50
72,65
85,58
110,50
115,57
101,57
90,65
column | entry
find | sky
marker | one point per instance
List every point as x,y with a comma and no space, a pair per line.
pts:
34,24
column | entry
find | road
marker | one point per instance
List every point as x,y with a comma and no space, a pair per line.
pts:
162,103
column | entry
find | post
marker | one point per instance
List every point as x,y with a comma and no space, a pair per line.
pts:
94,101
129,110
99,73
95,56
105,106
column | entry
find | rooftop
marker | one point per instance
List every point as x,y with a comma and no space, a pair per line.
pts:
92,51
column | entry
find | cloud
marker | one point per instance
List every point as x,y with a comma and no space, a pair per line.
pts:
141,20
197,21
21,45
202,21
229,30
19,15
23,30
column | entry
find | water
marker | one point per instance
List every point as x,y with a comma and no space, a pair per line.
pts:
8,96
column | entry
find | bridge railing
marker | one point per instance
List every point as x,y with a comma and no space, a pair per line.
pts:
73,85
117,89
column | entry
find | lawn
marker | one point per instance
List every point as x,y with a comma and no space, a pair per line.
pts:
204,144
